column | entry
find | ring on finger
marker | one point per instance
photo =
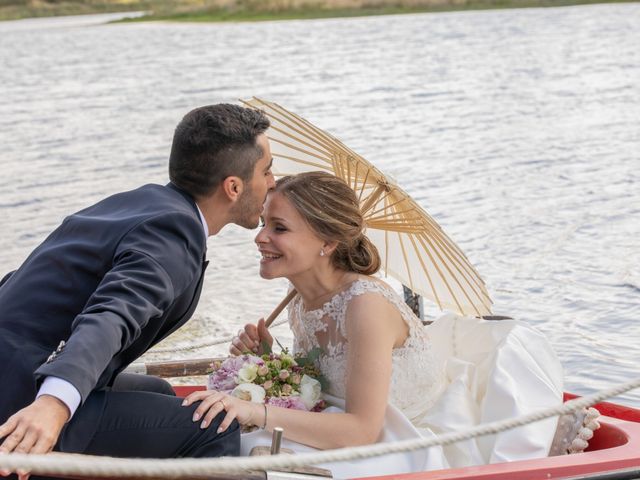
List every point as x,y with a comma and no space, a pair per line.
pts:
224,405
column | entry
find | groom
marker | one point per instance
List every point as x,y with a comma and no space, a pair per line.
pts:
113,280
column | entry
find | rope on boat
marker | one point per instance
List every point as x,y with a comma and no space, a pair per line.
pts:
94,466
211,343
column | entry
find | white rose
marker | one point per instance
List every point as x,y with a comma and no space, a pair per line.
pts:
247,373
250,392
310,391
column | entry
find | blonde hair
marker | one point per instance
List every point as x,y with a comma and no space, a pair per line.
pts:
331,209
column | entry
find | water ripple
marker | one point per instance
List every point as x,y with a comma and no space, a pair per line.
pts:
516,129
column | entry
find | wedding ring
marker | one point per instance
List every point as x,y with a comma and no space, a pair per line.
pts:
224,405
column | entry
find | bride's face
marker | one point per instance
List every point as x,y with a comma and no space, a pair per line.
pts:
288,245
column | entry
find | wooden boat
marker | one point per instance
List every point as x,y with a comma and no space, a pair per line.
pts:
613,453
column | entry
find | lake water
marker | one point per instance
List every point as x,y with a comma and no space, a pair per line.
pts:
518,130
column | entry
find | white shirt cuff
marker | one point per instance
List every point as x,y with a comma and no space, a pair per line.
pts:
63,391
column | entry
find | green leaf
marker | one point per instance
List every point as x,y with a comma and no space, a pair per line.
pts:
324,383
314,354
266,348
310,359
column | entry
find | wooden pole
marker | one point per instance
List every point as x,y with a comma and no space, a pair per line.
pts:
280,307
179,368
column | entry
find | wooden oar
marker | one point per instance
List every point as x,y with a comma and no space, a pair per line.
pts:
176,368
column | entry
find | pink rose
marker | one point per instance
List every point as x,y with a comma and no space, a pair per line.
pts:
292,402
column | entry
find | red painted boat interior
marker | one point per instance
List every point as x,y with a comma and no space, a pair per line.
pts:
607,436
184,390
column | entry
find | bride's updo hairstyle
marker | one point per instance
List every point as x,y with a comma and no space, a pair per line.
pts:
331,209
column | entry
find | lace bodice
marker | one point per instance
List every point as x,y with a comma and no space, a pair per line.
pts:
417,377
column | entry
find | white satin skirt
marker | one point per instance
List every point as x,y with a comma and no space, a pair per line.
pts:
396,427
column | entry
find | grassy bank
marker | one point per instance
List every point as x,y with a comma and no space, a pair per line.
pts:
259,10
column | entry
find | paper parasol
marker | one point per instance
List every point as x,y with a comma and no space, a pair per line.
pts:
413,247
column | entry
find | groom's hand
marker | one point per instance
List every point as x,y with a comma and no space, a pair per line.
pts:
251,338
34,429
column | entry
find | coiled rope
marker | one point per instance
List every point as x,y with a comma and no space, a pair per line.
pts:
65,464
210,343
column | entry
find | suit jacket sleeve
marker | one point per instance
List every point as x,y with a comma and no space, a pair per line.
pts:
153,264
6,277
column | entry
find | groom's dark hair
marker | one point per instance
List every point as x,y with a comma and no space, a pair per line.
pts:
214,142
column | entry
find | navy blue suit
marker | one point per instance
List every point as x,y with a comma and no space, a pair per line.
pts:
110,282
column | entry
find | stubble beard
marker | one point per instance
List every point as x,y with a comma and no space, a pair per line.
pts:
245,210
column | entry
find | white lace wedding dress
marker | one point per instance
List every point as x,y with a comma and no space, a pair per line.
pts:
437,384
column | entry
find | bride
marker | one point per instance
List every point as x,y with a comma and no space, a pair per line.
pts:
385,378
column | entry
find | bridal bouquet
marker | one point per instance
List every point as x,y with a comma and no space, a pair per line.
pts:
276,379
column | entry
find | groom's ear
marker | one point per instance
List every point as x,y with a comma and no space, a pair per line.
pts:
232,188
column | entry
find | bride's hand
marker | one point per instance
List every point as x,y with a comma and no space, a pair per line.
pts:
251,338
212,403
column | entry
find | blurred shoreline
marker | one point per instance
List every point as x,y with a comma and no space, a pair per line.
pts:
261,10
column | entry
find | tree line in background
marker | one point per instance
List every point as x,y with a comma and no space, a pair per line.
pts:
237,10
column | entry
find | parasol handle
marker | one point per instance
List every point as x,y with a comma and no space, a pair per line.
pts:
280,307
